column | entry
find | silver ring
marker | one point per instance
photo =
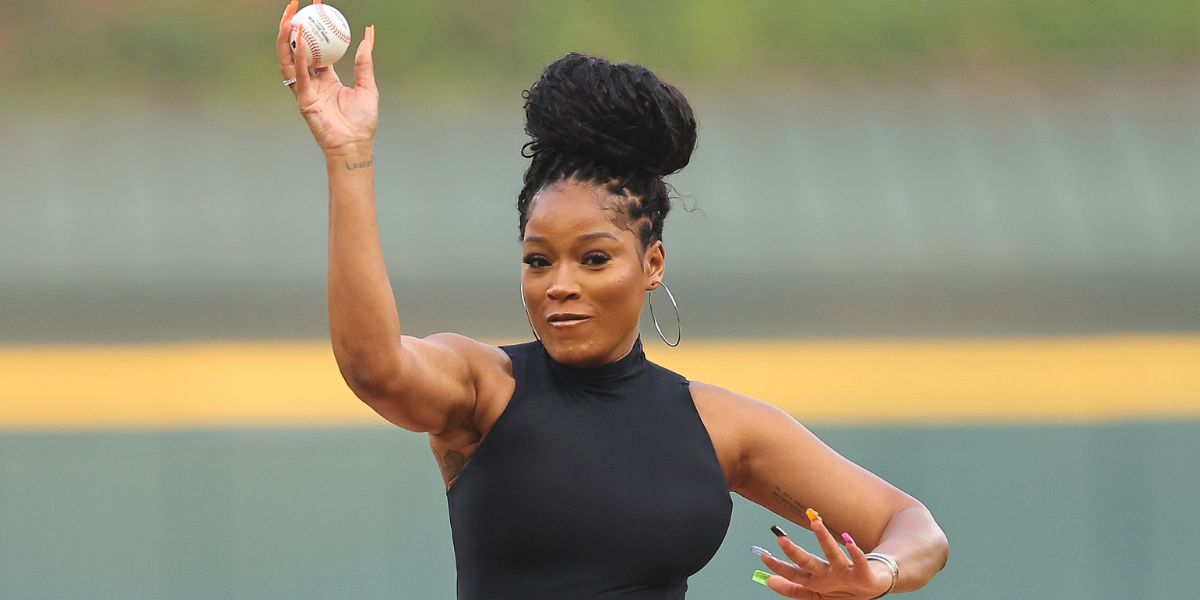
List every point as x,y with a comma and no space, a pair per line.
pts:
289,82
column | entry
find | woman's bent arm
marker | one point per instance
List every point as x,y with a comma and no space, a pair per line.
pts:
774,461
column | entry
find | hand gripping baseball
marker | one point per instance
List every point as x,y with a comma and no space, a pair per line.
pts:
835,576
338,116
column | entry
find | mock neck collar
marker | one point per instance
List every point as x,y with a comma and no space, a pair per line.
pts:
630,365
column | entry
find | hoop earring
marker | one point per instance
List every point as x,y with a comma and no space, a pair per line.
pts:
678,321
535,335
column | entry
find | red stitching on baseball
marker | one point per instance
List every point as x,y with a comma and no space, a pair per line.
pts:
341,35
313,48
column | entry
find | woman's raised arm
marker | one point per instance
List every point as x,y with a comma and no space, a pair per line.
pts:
421,385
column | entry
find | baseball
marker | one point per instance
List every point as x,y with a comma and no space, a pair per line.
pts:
326,34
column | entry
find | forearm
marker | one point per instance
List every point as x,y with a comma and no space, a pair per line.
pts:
914,540
363,324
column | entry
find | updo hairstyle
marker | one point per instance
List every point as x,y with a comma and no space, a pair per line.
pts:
614,125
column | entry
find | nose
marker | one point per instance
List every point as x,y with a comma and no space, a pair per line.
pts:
564,287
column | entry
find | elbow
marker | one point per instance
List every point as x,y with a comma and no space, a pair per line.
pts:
938,542
371,383
943,549
369,378
383,390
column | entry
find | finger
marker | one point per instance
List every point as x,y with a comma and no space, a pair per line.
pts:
288,12
833,552
786,569
303,86
364,63
803,558
283,47
857,557
862,567
788,589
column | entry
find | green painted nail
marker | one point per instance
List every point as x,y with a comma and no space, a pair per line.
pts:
761,577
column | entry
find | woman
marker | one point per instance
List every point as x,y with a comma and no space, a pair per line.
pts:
574,467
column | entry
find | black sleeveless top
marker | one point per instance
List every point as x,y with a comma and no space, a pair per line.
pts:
593,484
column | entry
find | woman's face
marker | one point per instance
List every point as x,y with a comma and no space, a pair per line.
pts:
584,278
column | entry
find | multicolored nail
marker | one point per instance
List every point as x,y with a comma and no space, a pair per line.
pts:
777,531
761,577
759,550
849,540
812,515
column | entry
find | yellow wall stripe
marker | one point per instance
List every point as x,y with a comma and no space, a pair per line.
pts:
821,382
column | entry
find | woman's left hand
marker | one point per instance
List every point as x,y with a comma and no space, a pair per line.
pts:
835,576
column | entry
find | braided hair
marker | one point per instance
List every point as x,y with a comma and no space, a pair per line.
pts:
616,125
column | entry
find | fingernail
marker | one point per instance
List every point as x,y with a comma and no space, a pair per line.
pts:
761,577
777,531
288,11
297,49
759,550
812,514
371,33
849,540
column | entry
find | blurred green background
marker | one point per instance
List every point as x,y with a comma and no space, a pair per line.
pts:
866,169
440,48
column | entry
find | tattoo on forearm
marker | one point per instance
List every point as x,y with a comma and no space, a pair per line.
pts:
452,464
360,165
793,505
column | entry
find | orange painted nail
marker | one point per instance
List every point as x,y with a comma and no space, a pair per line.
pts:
288,13
371,33
812,514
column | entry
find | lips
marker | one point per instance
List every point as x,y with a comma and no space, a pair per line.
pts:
566,319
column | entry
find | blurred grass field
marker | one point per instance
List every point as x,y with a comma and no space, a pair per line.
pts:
223,48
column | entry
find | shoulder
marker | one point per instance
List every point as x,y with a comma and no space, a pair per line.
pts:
491,371
725,404
522,351
735,423
477,354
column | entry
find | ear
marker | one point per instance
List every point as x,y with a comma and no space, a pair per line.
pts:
653,264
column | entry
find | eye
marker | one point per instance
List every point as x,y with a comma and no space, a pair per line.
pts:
595,259
536,261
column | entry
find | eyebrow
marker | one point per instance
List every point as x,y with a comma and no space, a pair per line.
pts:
537,239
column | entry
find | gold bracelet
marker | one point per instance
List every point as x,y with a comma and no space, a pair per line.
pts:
891,563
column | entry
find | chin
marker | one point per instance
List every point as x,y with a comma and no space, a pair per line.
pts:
572,350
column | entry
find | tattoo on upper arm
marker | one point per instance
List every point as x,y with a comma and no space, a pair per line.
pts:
452,464
793,505
360,165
